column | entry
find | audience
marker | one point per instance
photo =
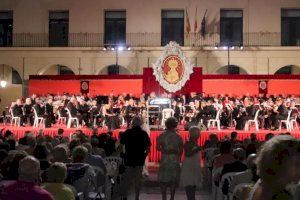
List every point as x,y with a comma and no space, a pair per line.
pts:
61,166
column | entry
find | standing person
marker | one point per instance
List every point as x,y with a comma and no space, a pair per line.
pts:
171,146
191,170
136,143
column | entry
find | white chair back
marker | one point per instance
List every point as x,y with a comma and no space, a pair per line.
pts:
35,113
256,114
69,113
289,115
218,114
167,113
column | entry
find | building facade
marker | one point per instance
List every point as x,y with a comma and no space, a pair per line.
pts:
41,37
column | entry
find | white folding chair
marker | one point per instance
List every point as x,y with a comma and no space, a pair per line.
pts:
61,119
228,177
215,176
166,113
294,122
14,119
38,120
71,119
214,121
255,121
287,122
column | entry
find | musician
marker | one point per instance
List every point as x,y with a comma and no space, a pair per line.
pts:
73,108
248,114
18,111
28,111
112,121
129,111
209,112
95,111
38,107
280,112
49,114
84,109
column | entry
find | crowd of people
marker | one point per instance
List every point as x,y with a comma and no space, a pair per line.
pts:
42,167
114,111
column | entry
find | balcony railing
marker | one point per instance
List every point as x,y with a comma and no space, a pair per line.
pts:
145,39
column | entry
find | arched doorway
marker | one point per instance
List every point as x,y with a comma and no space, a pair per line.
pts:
231,69
114,70
13,87
289,69
56,70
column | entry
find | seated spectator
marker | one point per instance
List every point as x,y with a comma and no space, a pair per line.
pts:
234,140
248,176
26,187
96,161
3,155
10,166
80,174
60,154
96,149
56,175
108,143
269,136
40,152
278,165
225,155
212,142
236,166
31,142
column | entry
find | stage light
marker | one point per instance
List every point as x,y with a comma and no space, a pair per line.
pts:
104,49
112,48
225,48
241,47
120,48
3,83
216,46
232,47
128,48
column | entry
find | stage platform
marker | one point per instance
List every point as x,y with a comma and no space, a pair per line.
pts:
154,155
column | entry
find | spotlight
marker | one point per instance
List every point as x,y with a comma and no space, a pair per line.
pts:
104,49
128,48
3,83
120,48
241,47
225,48
112,48
216,46
232,47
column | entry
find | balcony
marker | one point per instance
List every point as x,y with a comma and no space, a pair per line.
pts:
265,39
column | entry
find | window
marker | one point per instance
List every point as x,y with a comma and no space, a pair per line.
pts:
290,27
58,28
285,70
6,28
16,78
115,28
113,70
231,28
63,70
172,26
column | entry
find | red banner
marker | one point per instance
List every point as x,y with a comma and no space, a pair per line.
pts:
263,87
84,87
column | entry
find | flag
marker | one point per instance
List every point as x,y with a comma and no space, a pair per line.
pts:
203,25
196,23
188,25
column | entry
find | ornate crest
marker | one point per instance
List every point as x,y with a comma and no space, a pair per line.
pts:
173,69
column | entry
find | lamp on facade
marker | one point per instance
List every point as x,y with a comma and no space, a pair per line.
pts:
3,82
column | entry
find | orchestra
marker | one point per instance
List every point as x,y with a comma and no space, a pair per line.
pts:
114,111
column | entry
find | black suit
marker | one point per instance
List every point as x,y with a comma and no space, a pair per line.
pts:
28,113
39,110
50,118
18,112
74,112
282,115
